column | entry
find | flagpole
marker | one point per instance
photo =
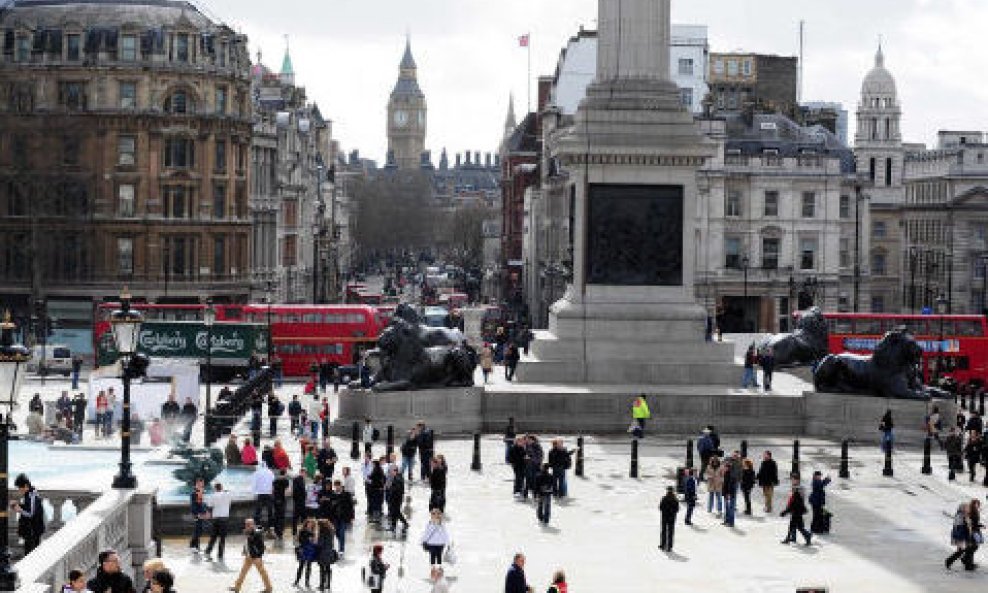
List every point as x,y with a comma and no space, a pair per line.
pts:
529,48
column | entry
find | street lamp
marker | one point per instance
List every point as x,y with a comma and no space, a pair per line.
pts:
267,297
913,258
317,230
208,317
941,309
744,307
126,324
13,366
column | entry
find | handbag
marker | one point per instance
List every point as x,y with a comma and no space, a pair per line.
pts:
449,556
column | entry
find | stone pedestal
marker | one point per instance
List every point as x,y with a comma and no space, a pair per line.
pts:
454,410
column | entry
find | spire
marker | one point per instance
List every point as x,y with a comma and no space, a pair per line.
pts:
287,73
510,123
407,61
879,55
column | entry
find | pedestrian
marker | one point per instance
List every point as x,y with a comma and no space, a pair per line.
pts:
560,460
394,496
533,462
689,494
162,581
326,459
343,511
248,454
30,514
101,405
486,361
253,557
219,510
294,413
732,469
668,509
438,578
510,432
306,550
275,409
109,576
199,512
368,436
408,449
437,483
767,360
298,492
376,570
188,416
375,491
76,370
818,500
76,582
425,440
514,580
750,360
715,486
972,452
885,426
279,456
232,451
435,537
767,478
511,358
543,492
558,582
747,483
953,445
326,554
977,538
706,449
310,463
517,459
796,509
79,404
262,489
111,409
960,535
934,425
279,497
324,417
640,412
312,409
975,422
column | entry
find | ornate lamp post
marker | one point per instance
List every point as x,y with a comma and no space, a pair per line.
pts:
941,309
267,297
13,366
208,318
126,324
744,307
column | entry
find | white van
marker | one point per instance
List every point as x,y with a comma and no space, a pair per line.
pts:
50,359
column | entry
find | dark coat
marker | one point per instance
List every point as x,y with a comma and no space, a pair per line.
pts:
768,473
795,507
516,456
408,447
116,582
559,459
669,507
255,544
818,494
514,581
747,479
31,519
342,505
689,488
396,492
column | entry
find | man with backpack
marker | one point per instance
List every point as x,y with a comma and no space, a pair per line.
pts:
30,514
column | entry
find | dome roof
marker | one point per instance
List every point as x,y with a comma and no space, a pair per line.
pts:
878,82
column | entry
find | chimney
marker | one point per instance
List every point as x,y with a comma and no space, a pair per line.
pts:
545,92
487,160
458,155
469,157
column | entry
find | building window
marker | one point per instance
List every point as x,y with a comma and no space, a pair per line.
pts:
746,67
732,253
686,97
23,48
845,206
686,66
719,66
219,201
771,203
180,153
177,202
877,304
878,229
128,95
181,48
845,252
733,205
878,264
178,102
288,253
70,150
809,204
220,164
128,48
219,256
221,100
732,67
72,47
888,172
125,255
126,150
770,253
125,201
871,169
807,254
19,155
71,95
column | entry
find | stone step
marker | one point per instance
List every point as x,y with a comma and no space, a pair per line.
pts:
548,348
623,371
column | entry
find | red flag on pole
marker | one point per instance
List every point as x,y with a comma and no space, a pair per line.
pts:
523,40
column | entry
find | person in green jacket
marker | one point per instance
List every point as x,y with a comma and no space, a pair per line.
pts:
310,463
640,412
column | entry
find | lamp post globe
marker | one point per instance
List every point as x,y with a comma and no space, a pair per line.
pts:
126,325
13,367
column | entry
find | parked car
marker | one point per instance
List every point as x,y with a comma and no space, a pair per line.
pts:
50,359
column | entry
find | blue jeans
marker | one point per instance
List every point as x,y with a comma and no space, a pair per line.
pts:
888,440
407,464
710,501
749,378
108,423
559,477
314,428
731,503
340,527
689,511
544,507
75,379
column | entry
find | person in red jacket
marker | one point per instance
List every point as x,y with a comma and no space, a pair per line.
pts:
280,456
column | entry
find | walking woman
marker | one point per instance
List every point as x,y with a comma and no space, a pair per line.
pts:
306,551
977,538
715,486
960,534
327,553
747,483
376,570
435,537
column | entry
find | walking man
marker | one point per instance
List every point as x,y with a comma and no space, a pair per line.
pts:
640,411
668,508
767,360
219,509
79,404
514,581
768,478
689,490
750,360
796,509
263,488
426,442
543,492
253,556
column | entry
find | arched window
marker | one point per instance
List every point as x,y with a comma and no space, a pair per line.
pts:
179,102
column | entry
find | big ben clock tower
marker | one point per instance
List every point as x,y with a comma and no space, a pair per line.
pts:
407,115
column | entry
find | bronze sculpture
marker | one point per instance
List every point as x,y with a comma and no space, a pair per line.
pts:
805,345
891,371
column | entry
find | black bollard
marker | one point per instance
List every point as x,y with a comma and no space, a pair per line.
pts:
845,471
634,458
391,439
927,468
963,400
355,446
579,457
981,403
475,464
689,452
794,472
887,470
744,449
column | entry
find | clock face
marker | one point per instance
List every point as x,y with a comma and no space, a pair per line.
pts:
401,118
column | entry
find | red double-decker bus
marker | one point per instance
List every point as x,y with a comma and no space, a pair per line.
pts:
304,335
958,343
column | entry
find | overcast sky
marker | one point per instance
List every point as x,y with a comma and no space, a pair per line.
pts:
346,54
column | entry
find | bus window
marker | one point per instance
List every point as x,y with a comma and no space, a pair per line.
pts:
841,325
865,326
968,328
917,327
311,318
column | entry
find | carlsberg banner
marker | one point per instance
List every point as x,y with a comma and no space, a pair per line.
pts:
233,343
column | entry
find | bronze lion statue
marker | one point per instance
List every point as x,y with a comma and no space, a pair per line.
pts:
804,346
891,371
410,355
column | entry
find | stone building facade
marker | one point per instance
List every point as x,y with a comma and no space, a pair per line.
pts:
124,145
766,81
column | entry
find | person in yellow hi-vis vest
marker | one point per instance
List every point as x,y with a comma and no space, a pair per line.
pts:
640,412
